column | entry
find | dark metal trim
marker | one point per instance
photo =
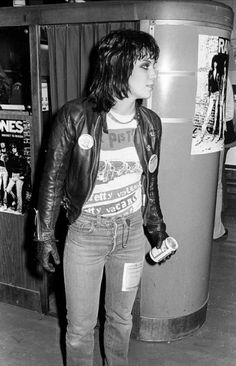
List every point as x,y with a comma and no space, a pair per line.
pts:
166,330
213,13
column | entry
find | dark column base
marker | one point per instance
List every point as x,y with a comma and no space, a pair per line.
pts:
164,330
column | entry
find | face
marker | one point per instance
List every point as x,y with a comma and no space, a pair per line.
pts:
141,81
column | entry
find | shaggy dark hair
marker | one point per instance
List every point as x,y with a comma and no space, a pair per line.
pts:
116,54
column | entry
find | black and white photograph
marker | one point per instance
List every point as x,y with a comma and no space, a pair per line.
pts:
15,166
209,126
117,182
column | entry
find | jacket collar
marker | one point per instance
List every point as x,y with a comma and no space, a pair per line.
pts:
137,116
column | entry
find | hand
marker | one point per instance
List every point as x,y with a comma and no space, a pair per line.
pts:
156,234
44,249
162,235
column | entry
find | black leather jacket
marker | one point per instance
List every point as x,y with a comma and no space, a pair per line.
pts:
70,170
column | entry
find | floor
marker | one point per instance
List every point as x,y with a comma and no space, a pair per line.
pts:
30,339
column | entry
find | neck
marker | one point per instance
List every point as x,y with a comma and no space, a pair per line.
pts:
124,106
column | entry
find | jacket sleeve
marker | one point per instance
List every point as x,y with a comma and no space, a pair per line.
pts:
154,226
57,160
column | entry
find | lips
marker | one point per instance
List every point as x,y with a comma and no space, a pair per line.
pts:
150,86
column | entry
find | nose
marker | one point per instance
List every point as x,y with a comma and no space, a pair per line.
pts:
153,73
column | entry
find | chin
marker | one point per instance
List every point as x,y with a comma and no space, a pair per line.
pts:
148,95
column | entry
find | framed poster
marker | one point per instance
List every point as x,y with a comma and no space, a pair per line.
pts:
15,162
209,118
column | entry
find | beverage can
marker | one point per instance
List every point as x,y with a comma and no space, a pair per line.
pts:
168,247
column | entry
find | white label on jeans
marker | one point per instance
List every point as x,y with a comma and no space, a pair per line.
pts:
131,276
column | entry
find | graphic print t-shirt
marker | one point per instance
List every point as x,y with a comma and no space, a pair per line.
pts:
117,190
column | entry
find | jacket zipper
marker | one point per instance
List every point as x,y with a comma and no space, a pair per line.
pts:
147,175
94,162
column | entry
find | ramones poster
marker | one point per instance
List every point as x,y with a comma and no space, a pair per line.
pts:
209,120
15,167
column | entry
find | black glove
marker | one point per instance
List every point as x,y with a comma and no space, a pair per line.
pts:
156,234
44,249
160,237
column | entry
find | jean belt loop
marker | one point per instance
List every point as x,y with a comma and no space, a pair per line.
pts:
98,220
126,226
115,226
123,231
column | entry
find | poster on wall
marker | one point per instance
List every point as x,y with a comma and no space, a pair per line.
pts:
209,121
15,167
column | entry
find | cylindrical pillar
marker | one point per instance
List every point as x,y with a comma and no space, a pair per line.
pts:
173,297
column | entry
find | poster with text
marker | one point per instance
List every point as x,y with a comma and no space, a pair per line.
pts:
209,117
15,167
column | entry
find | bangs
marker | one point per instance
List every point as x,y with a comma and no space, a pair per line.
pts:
145,52
143,45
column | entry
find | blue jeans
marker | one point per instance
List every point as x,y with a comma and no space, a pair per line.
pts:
94,243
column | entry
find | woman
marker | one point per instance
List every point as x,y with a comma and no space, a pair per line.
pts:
3,174
214,80
102,160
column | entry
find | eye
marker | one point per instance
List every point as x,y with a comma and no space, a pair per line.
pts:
145,65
